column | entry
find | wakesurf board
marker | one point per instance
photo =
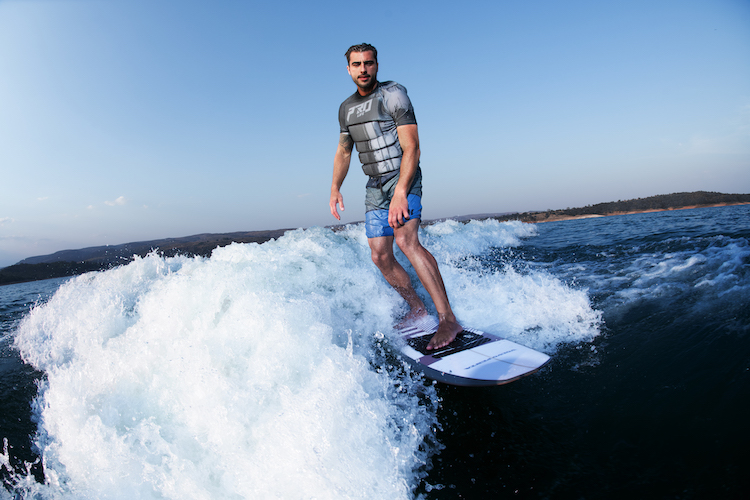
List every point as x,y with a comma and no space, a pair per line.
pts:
474,358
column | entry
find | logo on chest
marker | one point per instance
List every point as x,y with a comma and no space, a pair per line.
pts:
359,109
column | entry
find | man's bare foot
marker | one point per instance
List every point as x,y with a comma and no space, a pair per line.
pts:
447,330
412,317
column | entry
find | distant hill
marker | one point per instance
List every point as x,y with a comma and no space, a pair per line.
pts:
74,262
662,202
199,244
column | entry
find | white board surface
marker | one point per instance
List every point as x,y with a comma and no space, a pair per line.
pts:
475,358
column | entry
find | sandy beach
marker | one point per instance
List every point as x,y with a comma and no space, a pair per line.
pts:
561,217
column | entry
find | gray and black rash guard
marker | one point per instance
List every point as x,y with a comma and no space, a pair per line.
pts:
372,120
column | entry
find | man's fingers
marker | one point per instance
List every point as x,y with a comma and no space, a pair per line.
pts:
398,219
336,201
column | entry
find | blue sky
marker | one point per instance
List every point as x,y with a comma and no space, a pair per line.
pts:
130,120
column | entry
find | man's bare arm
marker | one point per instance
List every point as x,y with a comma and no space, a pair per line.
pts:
408,137
340,168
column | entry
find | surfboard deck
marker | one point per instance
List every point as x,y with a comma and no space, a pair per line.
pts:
474,358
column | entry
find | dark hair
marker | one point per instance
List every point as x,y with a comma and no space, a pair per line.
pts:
362,47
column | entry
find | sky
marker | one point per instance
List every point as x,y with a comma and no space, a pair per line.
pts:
133,120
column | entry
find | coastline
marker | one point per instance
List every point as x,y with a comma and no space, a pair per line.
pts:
74,262
532,217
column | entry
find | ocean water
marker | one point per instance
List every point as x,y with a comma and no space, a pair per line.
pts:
269,371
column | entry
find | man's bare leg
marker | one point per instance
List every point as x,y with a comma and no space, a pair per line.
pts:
426,267
382,255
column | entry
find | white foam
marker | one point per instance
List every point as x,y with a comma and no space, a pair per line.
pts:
716,267
534,308
257,373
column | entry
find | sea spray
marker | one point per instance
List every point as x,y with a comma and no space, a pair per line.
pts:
260,372
520,303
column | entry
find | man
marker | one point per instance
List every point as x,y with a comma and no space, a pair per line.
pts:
379,119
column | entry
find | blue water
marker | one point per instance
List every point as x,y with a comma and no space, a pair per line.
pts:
267,371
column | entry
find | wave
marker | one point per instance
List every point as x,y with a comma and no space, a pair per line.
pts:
265,370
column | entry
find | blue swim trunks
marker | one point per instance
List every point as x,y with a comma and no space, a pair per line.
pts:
378,200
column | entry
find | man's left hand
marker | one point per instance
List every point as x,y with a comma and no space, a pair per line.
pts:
398,213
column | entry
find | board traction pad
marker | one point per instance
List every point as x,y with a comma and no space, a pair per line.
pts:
464,340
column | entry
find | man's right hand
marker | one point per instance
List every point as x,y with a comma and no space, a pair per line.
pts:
336,200
340,169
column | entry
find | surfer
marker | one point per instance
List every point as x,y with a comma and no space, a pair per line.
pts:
379,119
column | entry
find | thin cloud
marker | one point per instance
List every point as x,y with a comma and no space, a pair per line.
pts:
5,220
119,201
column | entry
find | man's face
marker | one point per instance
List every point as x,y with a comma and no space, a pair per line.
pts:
364,70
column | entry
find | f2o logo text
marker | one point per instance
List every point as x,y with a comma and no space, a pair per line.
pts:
361,109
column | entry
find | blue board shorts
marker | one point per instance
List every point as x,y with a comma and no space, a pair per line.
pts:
378,200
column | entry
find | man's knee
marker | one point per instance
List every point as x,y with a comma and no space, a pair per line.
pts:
382,259
407,239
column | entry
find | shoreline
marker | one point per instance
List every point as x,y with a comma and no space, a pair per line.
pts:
74,262
558,218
